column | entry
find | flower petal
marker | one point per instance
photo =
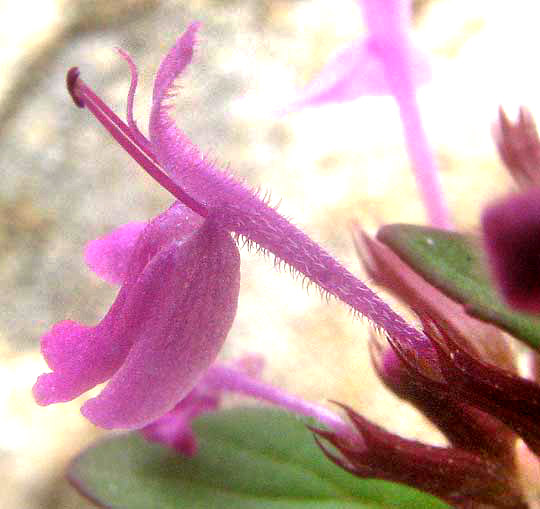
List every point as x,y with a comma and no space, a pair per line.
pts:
193,289
174,428
355,72
109,256
82,356
512,240
179,157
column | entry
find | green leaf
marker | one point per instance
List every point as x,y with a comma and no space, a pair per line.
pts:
454,263
247,459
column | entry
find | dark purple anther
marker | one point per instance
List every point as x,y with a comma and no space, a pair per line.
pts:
71,82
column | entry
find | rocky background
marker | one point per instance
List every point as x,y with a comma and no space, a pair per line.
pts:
65,182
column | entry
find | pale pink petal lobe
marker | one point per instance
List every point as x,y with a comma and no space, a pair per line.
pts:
109,256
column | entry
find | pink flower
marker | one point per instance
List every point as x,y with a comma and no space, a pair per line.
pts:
178,165
180,284
385,62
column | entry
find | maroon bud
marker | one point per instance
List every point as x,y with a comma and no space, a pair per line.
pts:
512,240
513,400
460,477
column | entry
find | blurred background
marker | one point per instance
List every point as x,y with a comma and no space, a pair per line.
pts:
65,182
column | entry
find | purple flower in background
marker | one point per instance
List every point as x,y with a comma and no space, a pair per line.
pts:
174,428
385,62
372,65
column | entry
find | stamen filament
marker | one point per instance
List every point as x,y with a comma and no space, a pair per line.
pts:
84,96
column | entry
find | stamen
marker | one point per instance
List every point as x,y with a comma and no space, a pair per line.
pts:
130,141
